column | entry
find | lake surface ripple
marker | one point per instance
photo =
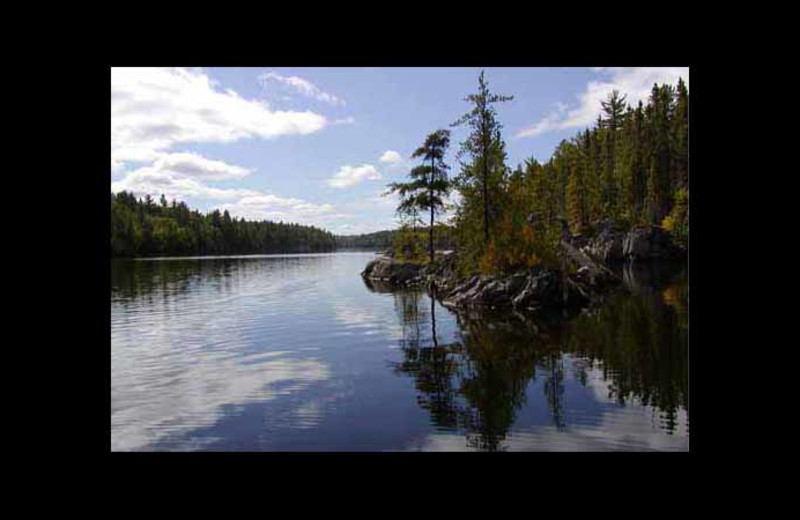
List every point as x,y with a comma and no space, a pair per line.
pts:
296,353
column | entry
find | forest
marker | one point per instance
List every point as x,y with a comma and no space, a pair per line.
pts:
142,227
630,169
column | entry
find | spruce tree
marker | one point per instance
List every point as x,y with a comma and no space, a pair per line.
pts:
485,149
680,136
614,111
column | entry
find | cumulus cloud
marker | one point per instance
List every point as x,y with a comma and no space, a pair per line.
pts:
153,109
634,82
303,86
352,175
197,166
390,156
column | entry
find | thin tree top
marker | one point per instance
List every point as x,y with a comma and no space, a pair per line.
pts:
481,100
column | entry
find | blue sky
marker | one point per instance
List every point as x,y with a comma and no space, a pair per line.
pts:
318,145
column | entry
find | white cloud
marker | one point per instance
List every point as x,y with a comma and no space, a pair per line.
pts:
547,124
197,166
352,175
271,207
635,83
302,86
390,156
153,109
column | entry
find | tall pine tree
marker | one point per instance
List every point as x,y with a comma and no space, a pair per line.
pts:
429,184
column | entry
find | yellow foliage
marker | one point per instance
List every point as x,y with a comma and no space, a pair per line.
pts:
512,246
669,296
668,223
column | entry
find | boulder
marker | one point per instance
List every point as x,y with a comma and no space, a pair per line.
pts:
502,291
588,270
468,293
540,289
648,242
606,245
389,270
441,274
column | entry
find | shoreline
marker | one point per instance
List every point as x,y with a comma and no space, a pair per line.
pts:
593,269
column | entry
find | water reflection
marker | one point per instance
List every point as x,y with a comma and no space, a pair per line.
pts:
477,384
194,342
291,353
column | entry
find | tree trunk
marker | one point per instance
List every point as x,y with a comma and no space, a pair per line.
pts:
485,182
430,201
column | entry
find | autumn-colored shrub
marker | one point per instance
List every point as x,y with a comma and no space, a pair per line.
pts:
677,221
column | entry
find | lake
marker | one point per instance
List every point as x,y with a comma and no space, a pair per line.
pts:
297,353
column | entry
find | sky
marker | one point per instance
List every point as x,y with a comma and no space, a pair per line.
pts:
318,146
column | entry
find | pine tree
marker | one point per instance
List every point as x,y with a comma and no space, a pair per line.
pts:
638,169
614,111
577,209
485,149
680,136
429,183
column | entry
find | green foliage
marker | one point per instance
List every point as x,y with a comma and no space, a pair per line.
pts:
482,177
142,228
544,186
677,222
515,244
484,171
428,185
630,168
409,245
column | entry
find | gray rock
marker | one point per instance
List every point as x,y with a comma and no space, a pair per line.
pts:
606,245
645,243
392,271
539,290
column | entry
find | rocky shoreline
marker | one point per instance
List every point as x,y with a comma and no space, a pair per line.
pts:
585,282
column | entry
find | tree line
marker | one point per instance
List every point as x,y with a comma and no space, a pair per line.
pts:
378,239
410,239
629,169
142,227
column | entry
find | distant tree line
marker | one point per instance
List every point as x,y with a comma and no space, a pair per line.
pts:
142,227
405,237
376,240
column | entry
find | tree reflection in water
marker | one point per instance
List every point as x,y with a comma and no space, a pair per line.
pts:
477,384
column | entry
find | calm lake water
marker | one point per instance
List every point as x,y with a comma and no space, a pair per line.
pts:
297,353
